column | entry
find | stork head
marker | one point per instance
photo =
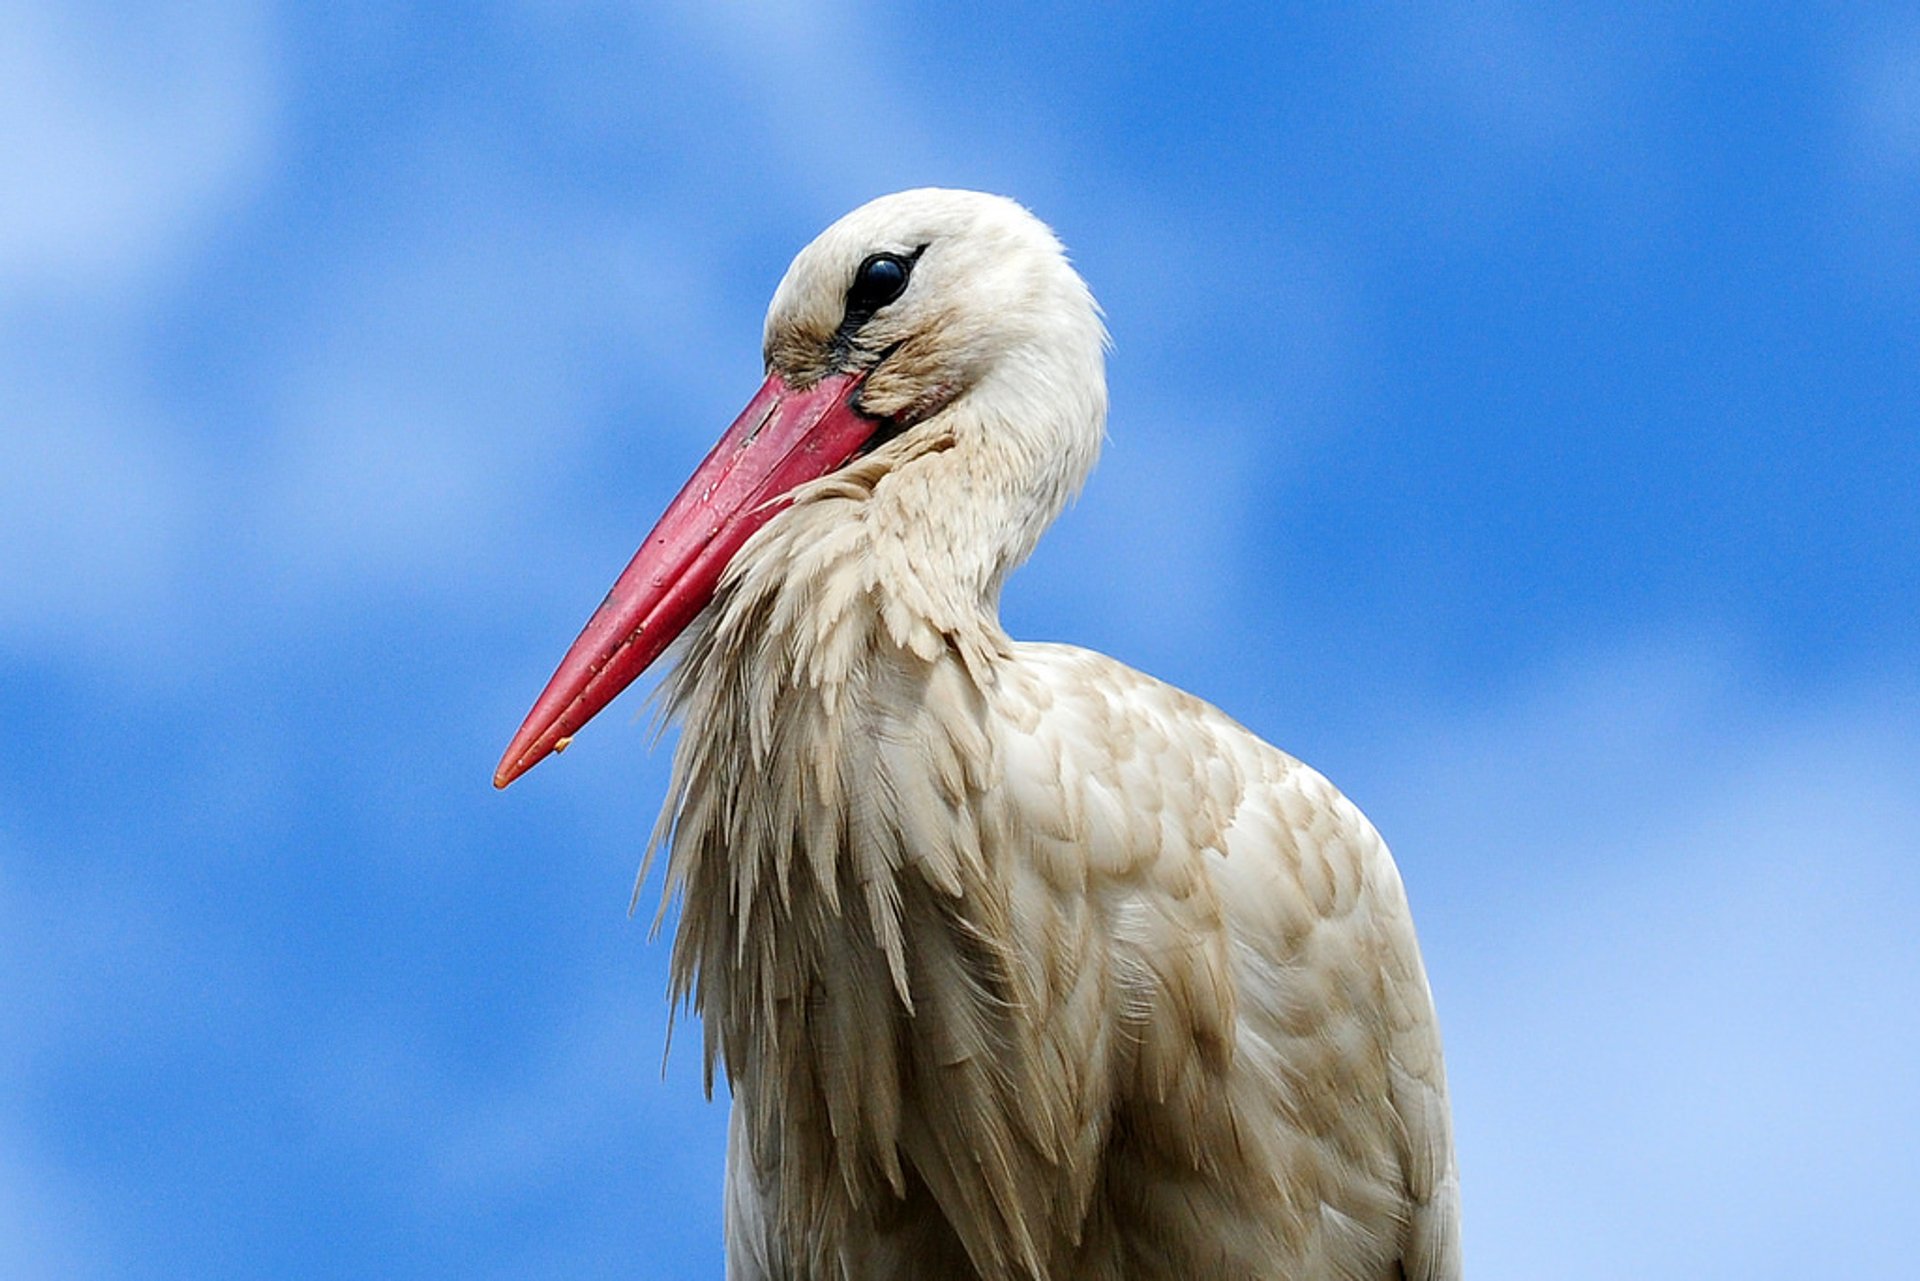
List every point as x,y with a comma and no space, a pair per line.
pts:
931,296
926,323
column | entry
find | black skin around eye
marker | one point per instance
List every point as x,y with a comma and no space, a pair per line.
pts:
880,279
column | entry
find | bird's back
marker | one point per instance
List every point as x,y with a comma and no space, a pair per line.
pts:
1168,1015
1277,1097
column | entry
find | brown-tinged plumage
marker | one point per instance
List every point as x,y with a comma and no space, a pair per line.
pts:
1020,964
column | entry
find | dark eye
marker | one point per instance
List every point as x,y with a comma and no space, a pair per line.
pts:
881,279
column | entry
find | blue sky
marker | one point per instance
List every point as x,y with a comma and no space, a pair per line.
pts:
1514,415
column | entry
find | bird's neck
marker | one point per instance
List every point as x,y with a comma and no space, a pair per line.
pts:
844,662
844,929
824,844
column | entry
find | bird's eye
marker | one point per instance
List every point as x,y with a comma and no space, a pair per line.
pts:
881,279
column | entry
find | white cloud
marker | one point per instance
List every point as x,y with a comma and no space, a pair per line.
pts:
71,963
447,400
95,508
575,1128
1160,547
125,137
805,70
123,132
44,1233
1671,937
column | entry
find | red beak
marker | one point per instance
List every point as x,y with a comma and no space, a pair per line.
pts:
784,438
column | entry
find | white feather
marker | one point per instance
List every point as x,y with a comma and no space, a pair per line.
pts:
1021,964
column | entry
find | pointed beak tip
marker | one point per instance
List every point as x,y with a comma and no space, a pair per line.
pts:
519,760
516,762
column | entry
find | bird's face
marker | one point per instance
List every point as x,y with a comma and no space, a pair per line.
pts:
928,313
923,296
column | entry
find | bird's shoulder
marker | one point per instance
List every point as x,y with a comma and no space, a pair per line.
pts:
1136,772
1259,937
1119,783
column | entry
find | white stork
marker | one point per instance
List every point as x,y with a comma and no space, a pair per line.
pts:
1020,964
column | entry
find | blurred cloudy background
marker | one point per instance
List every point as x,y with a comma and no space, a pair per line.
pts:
1514,415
